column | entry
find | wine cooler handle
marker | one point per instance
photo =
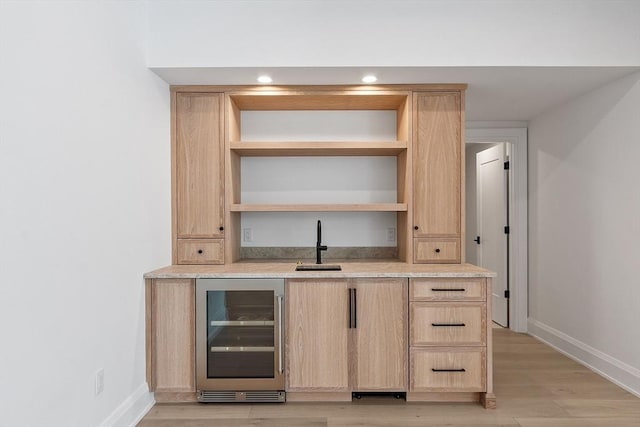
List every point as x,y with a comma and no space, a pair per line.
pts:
280,334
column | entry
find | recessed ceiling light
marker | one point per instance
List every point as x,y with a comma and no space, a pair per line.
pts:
369,78
265,79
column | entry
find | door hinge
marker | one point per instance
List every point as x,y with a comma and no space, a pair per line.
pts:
506,229
506,166
507,294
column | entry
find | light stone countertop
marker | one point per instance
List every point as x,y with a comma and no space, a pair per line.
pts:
287,270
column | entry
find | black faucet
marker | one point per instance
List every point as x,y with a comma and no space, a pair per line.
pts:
319,246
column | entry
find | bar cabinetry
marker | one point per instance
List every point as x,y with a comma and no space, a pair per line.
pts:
344,336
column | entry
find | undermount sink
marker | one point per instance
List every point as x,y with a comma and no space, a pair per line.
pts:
318,267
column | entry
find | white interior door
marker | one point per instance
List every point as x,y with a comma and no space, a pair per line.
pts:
492,219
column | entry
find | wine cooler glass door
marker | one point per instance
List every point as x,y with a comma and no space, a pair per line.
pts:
240,340
240,334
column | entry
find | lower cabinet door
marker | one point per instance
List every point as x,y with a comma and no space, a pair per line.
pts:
380,328
448,369
171,323
316,328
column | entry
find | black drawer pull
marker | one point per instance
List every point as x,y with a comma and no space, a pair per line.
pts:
448,324
448,290
200,251
449,370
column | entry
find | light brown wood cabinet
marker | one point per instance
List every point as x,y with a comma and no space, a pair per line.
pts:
437,177
380,346
435,323
460,369
170,323
200,251
450,340
208,146
316,346
198,174
345,335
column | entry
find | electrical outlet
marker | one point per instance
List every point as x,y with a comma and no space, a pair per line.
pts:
99,381
391,234
247,235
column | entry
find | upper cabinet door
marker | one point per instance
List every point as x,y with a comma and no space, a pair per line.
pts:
199,174
436,164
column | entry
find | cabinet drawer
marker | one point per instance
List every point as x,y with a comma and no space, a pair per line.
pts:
447,324
464,289
443,251
200,251
448,369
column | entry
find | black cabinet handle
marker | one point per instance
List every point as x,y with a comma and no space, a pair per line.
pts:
477,239
350,307
353,317
437,250
415,227
449,370
221,228
448,290
355,308
199,251
447,324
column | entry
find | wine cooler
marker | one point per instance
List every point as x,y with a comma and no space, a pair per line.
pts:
239,340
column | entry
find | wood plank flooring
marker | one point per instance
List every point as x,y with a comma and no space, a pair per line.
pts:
535,387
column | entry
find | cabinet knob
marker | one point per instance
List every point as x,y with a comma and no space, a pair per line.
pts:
221,228
415,227
200,251
437,250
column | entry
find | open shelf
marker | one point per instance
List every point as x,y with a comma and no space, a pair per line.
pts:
302,100
352,127
320,148
325,207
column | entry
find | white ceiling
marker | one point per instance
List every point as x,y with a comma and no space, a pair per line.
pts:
494,93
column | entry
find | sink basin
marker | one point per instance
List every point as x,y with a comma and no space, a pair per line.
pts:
318,267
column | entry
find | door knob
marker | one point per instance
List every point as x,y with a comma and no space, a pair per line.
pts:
477,240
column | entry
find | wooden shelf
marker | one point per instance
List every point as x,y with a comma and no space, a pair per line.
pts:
320,148
313,100
325,207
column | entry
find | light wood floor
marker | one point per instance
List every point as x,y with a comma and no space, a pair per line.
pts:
534,385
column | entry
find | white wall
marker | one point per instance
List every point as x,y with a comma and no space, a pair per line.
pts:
319,33
85,205
584,213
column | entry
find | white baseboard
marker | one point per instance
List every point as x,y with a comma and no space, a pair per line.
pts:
131,411
616,371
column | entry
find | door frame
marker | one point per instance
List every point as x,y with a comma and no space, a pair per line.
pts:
518,242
